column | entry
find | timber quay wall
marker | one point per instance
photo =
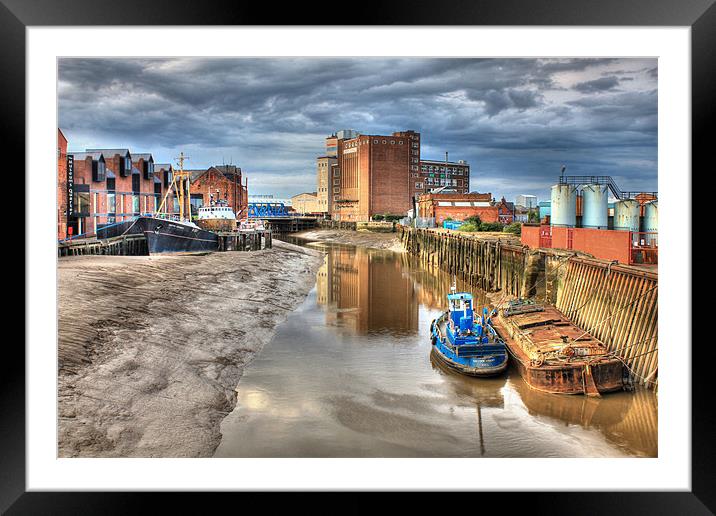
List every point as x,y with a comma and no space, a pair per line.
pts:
136,245
615,303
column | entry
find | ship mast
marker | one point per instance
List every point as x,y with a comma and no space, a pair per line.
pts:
183,189
181,185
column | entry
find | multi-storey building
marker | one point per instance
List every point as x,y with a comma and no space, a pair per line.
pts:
374,176
526,201
435,174
327,169
98,187
62,186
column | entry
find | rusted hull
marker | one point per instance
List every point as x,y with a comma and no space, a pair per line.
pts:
571,379
217,224
547,333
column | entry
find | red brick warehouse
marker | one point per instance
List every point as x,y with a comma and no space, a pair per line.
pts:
223,182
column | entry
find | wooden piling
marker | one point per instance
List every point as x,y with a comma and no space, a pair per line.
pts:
615,303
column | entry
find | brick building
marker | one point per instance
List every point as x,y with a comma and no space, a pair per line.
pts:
62,192
457,206
506,211
374,175
103,186
220,182
436,174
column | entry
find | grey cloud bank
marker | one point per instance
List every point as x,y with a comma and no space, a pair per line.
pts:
516,121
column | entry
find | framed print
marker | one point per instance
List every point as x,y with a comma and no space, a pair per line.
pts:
417,253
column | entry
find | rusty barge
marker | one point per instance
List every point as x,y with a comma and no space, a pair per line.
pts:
553,355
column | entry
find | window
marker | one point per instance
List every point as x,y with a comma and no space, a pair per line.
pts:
125,166
375,142
110,183
148,169
135,182
111,203
99,171
82,203
336,190
418,186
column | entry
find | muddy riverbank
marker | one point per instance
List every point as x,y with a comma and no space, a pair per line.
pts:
388,241
151,349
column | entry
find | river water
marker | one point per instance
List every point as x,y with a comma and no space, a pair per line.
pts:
349,374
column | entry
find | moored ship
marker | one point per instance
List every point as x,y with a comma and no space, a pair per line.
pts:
218,216
553,355
464,343
168,232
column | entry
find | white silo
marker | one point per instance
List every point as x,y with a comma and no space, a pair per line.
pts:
626,215
564,205
595,212
651,221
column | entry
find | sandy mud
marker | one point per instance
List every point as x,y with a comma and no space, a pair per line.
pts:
389,241
151,349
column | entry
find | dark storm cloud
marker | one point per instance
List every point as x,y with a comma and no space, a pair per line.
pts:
601,84
515,120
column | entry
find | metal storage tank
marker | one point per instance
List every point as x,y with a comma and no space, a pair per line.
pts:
626,215
595,213
651,221
563,207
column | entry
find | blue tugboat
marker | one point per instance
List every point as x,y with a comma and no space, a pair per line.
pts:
464,343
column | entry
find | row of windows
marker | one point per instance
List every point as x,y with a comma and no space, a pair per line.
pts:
99,170
454,170
375,142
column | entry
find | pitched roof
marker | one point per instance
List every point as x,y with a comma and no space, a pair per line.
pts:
228,170
83,155
111,152
145,156
165,166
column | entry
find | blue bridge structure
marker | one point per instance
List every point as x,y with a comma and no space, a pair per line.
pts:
267,210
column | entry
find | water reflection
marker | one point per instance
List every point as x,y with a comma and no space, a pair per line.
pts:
366,292
349,374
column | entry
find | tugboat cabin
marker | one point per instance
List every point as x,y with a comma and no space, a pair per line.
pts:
461,313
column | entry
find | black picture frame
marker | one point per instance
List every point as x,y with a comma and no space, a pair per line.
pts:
699,15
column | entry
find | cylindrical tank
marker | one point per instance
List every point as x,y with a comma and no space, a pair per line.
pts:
563,208
651,221
626,215
595,213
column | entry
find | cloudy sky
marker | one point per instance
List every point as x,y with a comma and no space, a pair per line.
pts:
516,121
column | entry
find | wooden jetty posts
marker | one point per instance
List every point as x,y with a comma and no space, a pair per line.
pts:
126,245
615,303
244,240
136,245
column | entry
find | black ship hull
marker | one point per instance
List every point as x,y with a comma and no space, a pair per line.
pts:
168,236
163,235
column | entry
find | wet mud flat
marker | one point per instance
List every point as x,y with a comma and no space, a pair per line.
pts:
151,349
365,239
